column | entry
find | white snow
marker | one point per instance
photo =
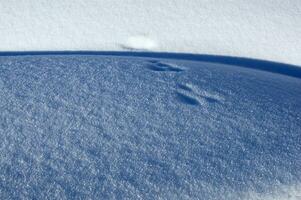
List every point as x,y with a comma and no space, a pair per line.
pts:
140,42
263,29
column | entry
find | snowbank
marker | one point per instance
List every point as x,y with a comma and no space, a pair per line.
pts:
95,127
269,29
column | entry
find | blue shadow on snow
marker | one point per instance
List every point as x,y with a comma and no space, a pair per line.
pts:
274,67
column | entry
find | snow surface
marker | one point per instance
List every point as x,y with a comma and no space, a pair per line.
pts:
95,127
262,29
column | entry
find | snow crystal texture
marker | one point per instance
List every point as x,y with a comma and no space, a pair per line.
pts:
262,29
95,127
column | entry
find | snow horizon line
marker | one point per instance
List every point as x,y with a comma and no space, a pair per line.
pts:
258,64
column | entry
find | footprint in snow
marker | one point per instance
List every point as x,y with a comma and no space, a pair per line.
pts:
187,99
191,95
163,67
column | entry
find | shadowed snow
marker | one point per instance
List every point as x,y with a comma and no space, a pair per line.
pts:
80,127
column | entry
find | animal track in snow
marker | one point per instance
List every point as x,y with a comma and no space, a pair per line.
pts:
187,99
163,67
190,94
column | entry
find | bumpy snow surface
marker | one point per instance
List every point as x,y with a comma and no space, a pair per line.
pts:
80,127
262,29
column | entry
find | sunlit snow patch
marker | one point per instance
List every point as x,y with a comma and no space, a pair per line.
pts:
292,192
140,42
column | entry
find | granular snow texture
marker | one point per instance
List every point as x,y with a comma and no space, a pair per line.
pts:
95,127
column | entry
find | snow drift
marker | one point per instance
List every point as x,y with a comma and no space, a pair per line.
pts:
269,29
96,127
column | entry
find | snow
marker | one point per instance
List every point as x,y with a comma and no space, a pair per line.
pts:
97,127
104,127
140,43
269,30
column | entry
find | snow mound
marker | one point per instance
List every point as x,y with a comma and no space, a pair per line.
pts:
95,127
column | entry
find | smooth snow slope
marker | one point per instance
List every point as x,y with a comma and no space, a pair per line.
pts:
95,127
262,29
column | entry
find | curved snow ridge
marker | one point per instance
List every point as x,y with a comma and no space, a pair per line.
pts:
105,127
265,65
